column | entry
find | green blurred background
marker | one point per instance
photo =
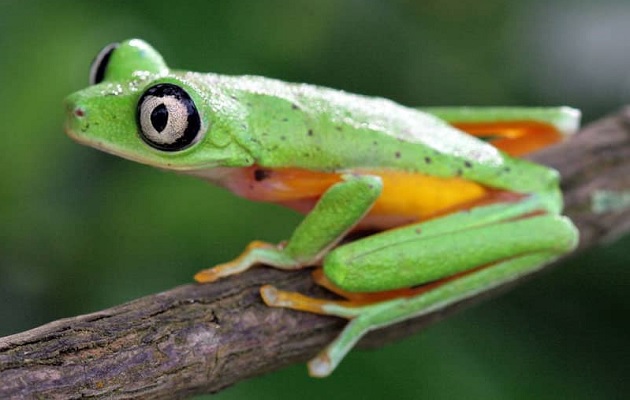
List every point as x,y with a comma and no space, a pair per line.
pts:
81,230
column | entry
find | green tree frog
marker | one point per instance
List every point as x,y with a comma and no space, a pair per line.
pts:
455,210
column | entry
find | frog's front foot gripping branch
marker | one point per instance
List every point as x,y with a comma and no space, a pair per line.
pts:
257,252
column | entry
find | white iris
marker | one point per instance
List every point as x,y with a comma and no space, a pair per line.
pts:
175,125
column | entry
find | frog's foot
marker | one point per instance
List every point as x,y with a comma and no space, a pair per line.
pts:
326,361
359,308
274,297
256,252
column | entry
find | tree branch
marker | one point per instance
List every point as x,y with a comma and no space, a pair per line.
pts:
201,338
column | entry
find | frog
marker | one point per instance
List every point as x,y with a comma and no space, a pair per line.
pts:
450,206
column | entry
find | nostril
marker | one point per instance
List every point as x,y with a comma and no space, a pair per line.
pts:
79,112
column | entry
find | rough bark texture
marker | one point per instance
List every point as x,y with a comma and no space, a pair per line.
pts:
201,338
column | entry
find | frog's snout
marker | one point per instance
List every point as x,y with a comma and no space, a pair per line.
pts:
73,109
78,112
76,119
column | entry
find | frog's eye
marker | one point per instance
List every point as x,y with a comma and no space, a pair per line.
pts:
100,62
168,118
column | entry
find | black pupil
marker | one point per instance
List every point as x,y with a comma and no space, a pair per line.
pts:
159,117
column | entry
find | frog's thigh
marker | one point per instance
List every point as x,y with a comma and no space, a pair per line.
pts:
515,130
413,259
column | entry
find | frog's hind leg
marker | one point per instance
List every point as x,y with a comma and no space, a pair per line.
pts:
351,302
515,130
364,319
498,236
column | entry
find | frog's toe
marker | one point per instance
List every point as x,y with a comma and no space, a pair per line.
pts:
320,366
257,252
274,297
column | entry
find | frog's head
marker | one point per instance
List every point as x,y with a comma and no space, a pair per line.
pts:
137,108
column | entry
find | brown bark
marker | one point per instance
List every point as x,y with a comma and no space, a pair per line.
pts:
201,338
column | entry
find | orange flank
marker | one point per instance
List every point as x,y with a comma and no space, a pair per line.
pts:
514,137
406,196
422,196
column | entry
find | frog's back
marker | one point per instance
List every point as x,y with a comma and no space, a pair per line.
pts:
321,129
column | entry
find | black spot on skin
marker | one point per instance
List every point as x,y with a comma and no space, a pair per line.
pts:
285,119
261,174
468,164
459,172
283,137
375,143
506,169
294,106
310,132
417,286
339,128
427,160
248,104
397,154
234,97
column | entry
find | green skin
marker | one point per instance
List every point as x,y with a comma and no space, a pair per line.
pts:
253,120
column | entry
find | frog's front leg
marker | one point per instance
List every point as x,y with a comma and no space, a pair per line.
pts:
341,207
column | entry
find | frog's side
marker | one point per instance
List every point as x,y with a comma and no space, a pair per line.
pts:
345,160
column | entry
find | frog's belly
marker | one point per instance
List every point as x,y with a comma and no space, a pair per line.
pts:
406,197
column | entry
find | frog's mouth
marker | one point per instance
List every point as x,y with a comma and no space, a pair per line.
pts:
74,134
